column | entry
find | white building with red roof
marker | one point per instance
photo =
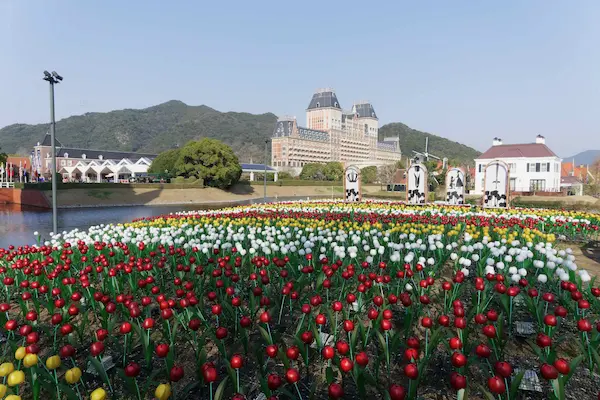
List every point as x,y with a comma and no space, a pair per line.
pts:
533,166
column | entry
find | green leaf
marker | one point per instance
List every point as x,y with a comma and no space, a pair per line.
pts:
220,389
329,375
515,382
265,334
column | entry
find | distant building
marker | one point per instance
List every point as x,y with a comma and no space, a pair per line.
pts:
533,166
87,165
331,135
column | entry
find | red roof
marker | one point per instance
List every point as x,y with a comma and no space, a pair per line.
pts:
529,150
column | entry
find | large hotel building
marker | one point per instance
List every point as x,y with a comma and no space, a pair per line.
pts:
331,135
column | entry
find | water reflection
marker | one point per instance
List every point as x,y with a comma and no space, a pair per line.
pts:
17,224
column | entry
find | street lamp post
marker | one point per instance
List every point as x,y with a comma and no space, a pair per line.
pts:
52,79
265,177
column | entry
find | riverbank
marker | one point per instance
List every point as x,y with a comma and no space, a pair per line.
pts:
138,196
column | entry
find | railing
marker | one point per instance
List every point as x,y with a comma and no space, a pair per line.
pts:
7,185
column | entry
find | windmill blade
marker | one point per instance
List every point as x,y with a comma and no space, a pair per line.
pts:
432,156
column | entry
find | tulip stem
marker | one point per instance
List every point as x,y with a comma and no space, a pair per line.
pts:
137,388
210,385
237,375
124,351
57,387
281,309
78,392
298,390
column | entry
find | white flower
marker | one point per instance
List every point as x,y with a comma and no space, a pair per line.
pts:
36,233
542,278
512,270
408,287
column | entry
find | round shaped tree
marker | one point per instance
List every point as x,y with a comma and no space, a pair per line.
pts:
209,160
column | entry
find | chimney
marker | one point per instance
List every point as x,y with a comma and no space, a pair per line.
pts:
497,141
539,139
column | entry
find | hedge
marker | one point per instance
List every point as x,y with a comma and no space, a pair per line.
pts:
47,186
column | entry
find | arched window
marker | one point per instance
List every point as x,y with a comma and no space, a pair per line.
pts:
84,156
66,155
318,104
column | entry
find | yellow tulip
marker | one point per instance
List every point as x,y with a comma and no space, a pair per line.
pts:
98,394
72,375
5,369
13,397
30,360
20,353
3,390
16,378
53,362
163,391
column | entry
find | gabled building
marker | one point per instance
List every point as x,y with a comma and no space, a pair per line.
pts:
88,165
533,166
332,134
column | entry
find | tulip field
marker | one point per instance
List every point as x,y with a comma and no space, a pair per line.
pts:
305,300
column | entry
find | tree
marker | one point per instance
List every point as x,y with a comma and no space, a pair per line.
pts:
386,173
313,172
333,171
3,157
165,161
368,174
209,160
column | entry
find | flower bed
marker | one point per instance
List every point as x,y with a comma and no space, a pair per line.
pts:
304,300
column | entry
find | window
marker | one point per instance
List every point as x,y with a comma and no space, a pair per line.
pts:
513,184
70,163
556,167
531,167
512,167
480,167
63,163
537,185
544,167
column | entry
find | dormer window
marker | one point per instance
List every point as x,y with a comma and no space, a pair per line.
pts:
100,157
318,104
336,104
66,155
84,156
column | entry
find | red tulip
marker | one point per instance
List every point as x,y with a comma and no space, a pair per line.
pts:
411,371
362,359
411,354
272,350
292,375
176,373
162,350
543,340
458,381
496,385
96,348
397,392
342,347
328,352
346,364
584,325
209,373
489,331
548,372
562,366
265,318
221,333
458,360
550,320
335,391
132,370
125,328
66,351
503,369
273,381
292,353
455,343
348,325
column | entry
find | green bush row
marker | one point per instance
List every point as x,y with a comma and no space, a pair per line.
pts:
46,186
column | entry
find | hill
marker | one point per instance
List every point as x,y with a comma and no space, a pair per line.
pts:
171,124
412,139
584,158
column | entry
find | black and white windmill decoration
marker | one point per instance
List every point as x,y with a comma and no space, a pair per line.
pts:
496,185
455,186
425,155
352,184
416,192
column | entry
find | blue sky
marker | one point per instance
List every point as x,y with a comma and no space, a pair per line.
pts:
465,70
